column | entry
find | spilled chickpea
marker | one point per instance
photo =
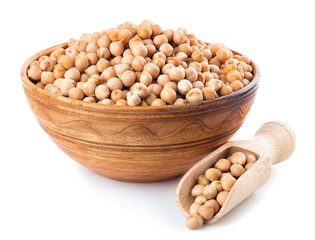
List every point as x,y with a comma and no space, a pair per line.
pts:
214,186
141,65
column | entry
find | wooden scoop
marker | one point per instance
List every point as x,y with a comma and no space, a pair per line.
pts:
274,142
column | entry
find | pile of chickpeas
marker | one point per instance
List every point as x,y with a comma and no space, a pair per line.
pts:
213,188
141,65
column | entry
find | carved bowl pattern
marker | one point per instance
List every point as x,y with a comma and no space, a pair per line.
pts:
138,144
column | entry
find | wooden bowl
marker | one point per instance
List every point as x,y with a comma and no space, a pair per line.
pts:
138,144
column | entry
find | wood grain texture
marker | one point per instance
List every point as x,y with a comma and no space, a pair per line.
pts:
138,144
274,142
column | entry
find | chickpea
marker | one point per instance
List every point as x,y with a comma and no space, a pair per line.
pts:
144,30
66,85
196,65
160,62
177,74
168,95
116,48
238,157
57,53
150,98
121,68
59,71
81,62
158,102
108,73
209,93
47,77
151,49
225,90
215,48
237,170
205,67
117,95
133,99
194,95
209,191
223,165
125,35
223,55
221,197
233,76
114,83
215,84
89,99
95,78
152,69
201,199
250,158
225,175
194,222
89,88
92,57
91,70
206,212
198,84
213,204
217,184
116,60
171,85
185,48
73,74
245,82
102,64
228,183
107,102
213,174
80,45
197,190
180,101
249,76
128,78
206,53
103,42
162,79
67,62
197,56
228,68
102,92
179,37
155,89
40,85
121,102
181,56
138,63
167,49
191,74
140,89
244,59
34,73
35,63
167,68
184,86
76,93
46,65
215,61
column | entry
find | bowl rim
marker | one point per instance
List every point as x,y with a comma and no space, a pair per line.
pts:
73,103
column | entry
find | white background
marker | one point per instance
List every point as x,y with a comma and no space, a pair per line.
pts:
47,195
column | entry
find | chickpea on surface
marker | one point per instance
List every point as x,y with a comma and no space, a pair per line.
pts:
145,53
212,189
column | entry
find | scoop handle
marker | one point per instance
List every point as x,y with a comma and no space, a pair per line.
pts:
278,139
